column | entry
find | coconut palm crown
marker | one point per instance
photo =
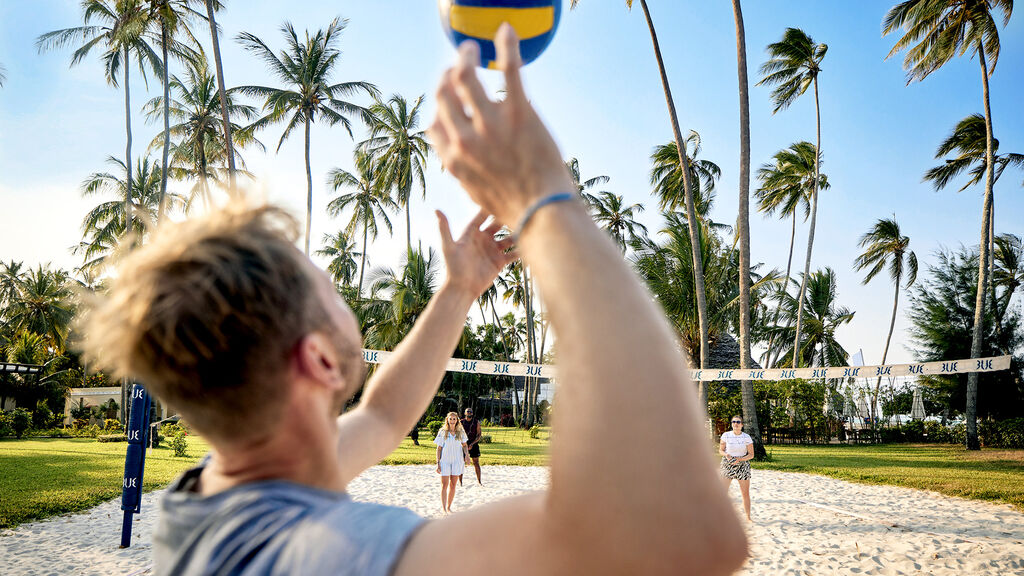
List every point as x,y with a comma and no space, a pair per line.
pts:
305,67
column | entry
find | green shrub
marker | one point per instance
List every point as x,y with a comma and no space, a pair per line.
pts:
21,420
6,427
434,426
42,417
109,409
171,430
112,425
90,431
485,422
80,411
485,439
913,431
535,432
1002,434
180,444
155,440
111,438
891,435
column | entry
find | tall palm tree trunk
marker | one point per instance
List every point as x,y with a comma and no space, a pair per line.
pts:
810,233
504,343
309,188
531,337
362,261
973,442
888,339
743,229
128,193
408,227
789,261
773,357
167,121
691,215
223,97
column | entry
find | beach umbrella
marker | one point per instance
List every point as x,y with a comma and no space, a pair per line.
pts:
917,408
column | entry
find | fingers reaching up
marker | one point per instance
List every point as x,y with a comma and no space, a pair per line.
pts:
500,152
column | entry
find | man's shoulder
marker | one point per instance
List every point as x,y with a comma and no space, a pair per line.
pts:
281,525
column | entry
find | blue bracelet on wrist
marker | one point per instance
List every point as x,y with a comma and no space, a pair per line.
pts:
528,214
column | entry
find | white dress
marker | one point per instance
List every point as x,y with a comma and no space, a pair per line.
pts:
452,459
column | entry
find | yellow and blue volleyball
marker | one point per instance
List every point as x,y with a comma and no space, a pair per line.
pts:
535,21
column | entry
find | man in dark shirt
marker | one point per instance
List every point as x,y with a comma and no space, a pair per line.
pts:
472,427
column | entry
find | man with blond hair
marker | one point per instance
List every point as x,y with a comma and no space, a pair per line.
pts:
225,319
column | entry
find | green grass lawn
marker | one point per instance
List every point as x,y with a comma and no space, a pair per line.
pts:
44,477
986,475
509,446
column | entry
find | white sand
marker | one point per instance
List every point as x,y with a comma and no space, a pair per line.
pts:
802,525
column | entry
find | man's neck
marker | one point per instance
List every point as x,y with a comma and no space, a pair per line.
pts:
303,451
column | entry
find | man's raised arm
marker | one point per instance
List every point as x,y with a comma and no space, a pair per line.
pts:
633,485
402,387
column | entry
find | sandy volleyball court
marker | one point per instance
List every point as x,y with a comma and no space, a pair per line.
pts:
803,525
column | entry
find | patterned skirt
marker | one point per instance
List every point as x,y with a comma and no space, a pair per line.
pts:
735,470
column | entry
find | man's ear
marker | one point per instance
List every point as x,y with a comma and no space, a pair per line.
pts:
317,360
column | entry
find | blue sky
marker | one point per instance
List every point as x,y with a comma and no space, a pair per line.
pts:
599,91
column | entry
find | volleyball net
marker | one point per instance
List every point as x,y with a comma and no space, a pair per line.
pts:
941,368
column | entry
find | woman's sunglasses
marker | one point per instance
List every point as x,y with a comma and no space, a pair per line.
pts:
737,421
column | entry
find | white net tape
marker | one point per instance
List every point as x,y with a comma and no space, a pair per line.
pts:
944,367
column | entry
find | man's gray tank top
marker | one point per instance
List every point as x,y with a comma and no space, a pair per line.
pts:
276,527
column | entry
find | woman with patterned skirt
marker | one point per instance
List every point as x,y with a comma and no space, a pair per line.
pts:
737,449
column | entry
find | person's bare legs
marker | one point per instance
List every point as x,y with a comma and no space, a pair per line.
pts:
745,489
476,464
460,479
451,495
444,493
726,480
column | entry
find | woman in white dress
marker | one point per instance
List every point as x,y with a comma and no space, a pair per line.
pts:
452,455
737,449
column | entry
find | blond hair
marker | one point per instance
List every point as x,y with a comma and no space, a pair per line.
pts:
207,315
458,430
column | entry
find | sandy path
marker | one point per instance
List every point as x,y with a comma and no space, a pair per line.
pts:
803,525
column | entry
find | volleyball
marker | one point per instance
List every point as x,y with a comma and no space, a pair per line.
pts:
535,21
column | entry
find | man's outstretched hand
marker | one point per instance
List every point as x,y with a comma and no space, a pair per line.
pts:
500,152
477,257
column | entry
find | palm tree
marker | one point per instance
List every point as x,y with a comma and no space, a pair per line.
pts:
198,145
688,193
43,305
743,231
934,32
787,184
211,6
104,227
11,276
305,67
400,149
666,177
818,346
582,186
886,247
666,269
122,32
398,299
340,249
1007,274
171,17
369,202
964,149
618,220
792,68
